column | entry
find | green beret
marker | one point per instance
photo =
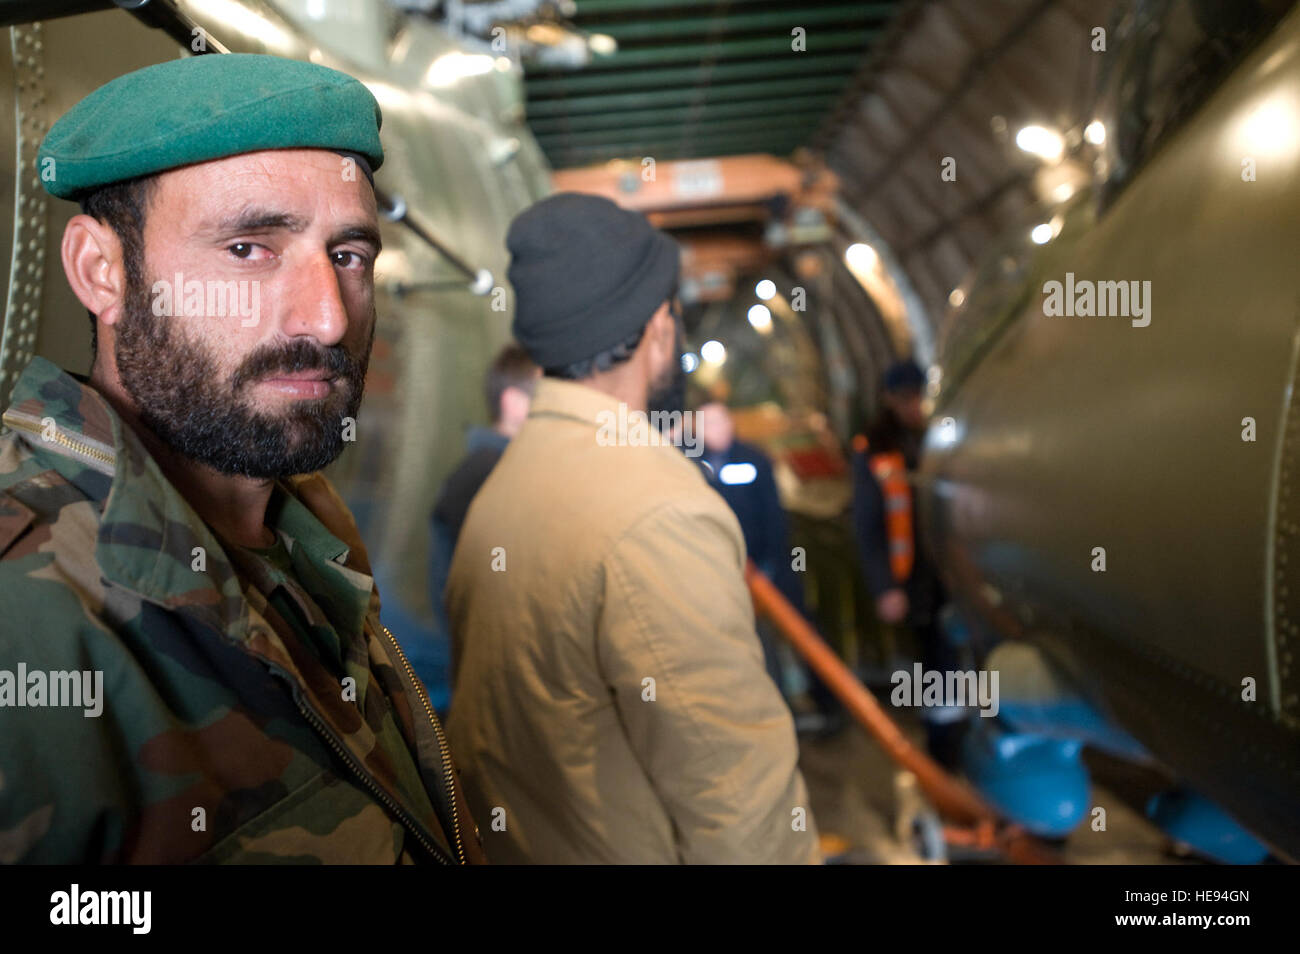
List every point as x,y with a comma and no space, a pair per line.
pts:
202,108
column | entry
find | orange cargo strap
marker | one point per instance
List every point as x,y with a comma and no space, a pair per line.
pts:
890,471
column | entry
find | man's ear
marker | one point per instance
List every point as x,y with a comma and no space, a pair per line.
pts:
92,261
514,404
663,326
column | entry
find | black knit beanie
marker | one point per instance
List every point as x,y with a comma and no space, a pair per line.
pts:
587,274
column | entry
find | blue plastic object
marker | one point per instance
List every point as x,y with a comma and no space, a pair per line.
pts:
1038,782
1202,825
1071,717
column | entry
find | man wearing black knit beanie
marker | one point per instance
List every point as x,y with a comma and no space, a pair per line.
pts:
610,701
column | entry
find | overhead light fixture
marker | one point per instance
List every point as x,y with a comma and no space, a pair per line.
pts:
765,289
861,257
602,44
712,352
1046,144
447,69
761,319
1095,132
690,361
1041,234
957,298
1269,129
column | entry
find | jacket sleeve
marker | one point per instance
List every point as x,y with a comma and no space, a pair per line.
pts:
677,646
63,797
869,528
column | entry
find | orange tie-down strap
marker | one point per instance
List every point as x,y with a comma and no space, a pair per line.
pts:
951,797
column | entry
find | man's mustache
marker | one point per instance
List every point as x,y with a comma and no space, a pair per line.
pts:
296,357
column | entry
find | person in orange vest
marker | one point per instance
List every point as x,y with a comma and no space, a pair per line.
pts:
899,575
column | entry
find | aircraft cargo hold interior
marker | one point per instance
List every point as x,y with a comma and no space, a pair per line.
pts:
638,432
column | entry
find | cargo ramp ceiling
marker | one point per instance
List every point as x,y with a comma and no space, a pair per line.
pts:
883,92
961,82
696,78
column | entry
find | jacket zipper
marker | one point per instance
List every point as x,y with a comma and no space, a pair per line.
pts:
75,446
442,742
319,724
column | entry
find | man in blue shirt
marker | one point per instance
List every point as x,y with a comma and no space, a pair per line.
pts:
742,474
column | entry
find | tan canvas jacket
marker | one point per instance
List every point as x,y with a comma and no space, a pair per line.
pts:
610,703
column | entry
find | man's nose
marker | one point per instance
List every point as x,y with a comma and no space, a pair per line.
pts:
315,305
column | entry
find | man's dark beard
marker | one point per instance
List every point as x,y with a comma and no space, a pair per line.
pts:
182,397
667,392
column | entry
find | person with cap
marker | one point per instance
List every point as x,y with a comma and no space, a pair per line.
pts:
898,573
610,703
169,555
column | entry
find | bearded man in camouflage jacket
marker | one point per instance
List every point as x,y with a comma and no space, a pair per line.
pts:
192,666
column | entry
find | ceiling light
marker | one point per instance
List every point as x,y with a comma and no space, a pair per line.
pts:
1041,142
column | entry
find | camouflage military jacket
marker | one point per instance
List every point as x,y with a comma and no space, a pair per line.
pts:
215,734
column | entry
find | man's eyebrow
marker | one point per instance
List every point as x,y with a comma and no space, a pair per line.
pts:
258,220
249,221
358,233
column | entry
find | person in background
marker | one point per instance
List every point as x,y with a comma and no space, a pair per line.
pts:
508,389
742,474
898,573
610,698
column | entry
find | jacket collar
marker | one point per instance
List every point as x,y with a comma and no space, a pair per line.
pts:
555,397
150,539
611,419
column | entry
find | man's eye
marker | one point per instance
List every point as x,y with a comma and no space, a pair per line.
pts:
348,259
241,249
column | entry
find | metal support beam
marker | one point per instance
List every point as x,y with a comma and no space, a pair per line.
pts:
803,64
822,40
655,99
732,23
686,96
14,12
164,15
588,10
687,153
974,68
975,207
776,111
681,130
696,146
